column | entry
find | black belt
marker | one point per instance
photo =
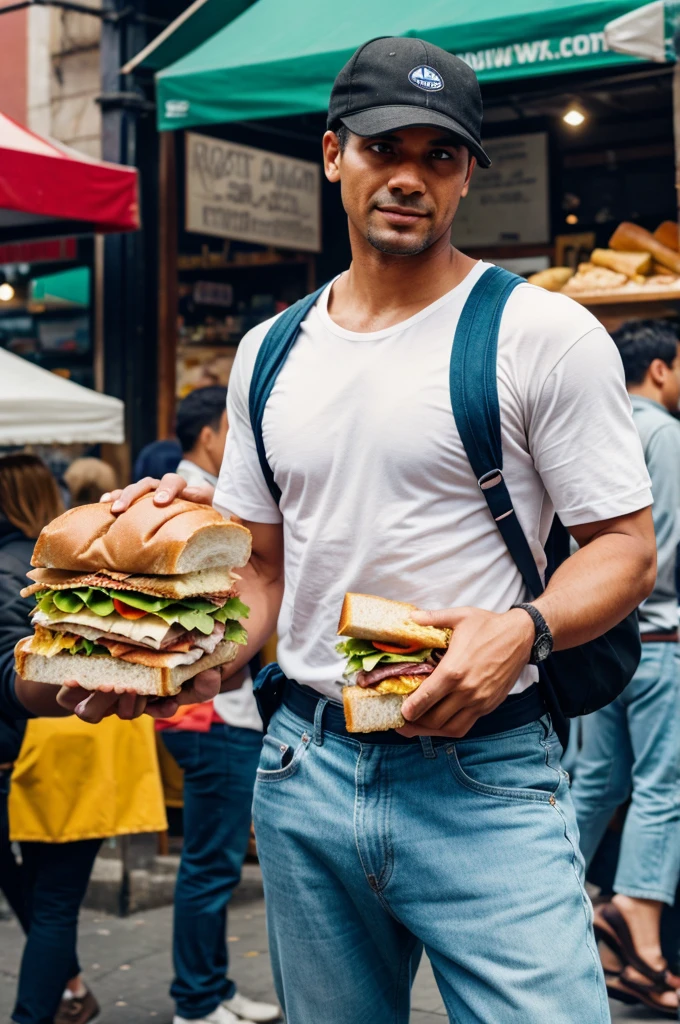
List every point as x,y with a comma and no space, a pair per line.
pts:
517,710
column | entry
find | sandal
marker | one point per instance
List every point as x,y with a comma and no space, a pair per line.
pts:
611,928
645,992
612,980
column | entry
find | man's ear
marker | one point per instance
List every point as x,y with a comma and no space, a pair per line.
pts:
657,372
472,163
205,437
331,156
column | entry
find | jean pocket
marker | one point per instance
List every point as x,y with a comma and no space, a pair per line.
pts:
280,760
511,766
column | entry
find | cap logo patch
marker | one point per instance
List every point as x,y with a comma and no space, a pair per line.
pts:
426,78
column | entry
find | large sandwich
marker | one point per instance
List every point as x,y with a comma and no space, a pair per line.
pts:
138,602
388,657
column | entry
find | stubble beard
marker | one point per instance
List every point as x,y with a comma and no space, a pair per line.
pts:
396,248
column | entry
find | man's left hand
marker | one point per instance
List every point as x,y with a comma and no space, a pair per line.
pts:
485,657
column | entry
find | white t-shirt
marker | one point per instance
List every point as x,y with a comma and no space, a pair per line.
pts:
237,707
378,496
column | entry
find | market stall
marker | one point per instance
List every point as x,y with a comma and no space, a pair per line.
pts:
47,189
42,408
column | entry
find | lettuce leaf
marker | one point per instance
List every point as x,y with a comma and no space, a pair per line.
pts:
87,647
235,632
67,601
191,613
233,609
361,654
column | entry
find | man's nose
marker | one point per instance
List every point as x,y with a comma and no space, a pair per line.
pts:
407,179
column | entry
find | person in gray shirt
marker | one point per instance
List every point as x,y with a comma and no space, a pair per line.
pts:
632,747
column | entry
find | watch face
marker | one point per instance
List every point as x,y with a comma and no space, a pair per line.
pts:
542,647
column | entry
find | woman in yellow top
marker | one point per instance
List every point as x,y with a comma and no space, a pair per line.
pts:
72,786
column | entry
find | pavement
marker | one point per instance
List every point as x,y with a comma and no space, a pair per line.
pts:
126,961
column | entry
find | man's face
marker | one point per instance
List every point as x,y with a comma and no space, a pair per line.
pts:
670,387
400,191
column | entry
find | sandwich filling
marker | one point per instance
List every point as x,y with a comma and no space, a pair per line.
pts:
386,668
101,620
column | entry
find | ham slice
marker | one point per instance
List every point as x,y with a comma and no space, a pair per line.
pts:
416,668
209,643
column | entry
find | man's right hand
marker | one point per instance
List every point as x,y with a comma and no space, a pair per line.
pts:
165,491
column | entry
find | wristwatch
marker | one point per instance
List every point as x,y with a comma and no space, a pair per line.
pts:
543,639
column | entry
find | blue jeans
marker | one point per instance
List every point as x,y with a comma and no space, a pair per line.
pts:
56,877
219,774
469,849
634,745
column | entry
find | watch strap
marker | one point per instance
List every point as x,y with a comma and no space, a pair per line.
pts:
541,629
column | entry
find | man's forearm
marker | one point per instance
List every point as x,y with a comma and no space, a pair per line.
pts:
263,596
600,584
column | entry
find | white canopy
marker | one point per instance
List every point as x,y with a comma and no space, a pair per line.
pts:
38,407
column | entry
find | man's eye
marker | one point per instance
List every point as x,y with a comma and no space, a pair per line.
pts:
441,154
381,147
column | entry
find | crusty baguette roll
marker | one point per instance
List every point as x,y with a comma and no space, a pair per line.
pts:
630,237
179,538
553,279
99,672
368,711
667,234
367,617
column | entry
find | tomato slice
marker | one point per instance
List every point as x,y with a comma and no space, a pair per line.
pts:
126,611
393,649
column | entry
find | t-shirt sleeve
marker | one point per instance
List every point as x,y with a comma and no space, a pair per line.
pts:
582,438
242,488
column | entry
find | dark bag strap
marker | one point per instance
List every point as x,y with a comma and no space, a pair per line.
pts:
273,353
474,399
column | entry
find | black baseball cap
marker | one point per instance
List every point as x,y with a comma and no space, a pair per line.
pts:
397,82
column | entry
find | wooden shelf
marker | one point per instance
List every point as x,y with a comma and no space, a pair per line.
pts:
617,298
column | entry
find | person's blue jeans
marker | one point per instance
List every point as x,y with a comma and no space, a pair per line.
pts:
469,848
219,774
633,747
56,877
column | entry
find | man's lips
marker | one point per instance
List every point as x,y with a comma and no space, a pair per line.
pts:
400,215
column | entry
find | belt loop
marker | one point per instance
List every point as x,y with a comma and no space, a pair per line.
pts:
428,748
318,720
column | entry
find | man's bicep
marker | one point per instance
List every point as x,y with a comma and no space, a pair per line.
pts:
637,525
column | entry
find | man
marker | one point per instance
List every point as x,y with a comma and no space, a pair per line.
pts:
219,774
467,846
632,746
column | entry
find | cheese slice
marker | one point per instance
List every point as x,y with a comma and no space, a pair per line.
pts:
151,630
400,684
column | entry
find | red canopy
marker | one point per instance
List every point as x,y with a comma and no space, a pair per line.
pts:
49,189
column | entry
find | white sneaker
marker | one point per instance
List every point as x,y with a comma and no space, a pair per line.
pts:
219,1016
247,1010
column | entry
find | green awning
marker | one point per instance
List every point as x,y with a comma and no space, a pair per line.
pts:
198,22
67,288
648,32
280,56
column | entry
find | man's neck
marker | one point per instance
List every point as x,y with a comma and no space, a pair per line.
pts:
380,290
201,460
647,390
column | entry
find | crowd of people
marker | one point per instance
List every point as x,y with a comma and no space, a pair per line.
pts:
343,448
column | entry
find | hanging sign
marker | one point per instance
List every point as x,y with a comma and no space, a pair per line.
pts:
507,203
235,191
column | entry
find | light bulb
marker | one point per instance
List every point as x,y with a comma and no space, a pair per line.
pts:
6,292
574,117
